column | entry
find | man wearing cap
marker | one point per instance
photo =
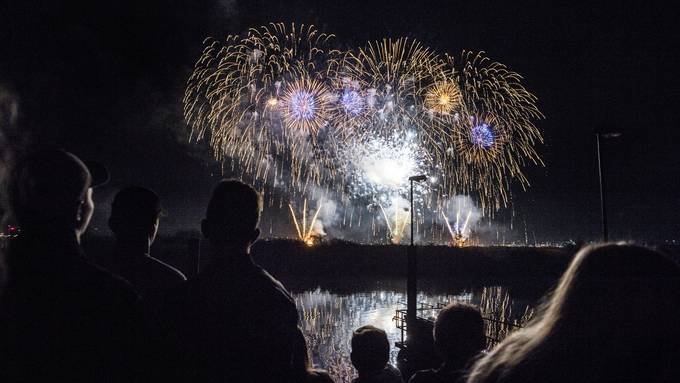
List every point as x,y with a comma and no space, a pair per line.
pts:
61,317
134,221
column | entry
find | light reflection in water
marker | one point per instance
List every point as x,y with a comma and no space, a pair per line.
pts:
328,320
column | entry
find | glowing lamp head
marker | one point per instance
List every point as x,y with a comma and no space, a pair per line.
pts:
302,105
482,136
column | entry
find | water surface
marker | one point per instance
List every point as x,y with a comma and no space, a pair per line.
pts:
328,318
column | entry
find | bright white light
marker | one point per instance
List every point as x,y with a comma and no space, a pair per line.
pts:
387,163
388,171
381,165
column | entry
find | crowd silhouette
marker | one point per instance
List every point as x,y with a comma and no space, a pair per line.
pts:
612,317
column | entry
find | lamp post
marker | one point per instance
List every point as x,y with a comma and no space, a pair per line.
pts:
603,195
412,280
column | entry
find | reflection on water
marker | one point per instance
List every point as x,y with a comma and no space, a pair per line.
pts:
328,319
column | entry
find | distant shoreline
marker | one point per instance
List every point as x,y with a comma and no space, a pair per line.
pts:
351,260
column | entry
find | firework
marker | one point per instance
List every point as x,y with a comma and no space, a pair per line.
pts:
458,234
281,106
443,97
393,75
379,166
261,99
305,106
305,233
396,222
494,135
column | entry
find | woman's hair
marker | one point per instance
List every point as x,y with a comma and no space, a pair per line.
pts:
612,317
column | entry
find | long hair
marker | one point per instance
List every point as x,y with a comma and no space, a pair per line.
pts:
612,317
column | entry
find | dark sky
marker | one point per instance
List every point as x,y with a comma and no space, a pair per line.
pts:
105,80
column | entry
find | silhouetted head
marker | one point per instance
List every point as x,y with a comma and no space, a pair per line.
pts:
612,317
459,333
370,349
232,215
134,214
50,191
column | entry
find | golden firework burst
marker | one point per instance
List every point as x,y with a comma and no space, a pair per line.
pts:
443,97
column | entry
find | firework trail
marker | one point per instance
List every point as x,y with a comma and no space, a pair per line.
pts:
260,101
494,133
305,233
398,222
280,105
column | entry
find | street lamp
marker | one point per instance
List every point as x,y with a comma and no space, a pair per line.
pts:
600,165
412,281
418,178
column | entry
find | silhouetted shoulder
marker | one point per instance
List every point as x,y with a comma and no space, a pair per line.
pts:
278,286
171,273
98,280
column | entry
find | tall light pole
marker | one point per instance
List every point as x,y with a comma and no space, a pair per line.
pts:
603,195
412,273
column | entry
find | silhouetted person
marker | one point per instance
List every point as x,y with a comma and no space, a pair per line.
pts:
62,319
234,322
458,337
134,220
612,318
370,355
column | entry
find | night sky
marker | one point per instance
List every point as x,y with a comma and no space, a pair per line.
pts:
105,80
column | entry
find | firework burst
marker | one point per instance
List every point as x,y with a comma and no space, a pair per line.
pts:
393,74
306,105
443,98
492,135
282,107
261,99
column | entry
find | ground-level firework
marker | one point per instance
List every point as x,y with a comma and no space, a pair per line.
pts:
396,220
283,108
459,234
306,233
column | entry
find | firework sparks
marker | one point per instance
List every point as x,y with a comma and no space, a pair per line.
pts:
399,220
305,233
306,105
494,135
466,216
259,98
459,236
443,97
283,107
